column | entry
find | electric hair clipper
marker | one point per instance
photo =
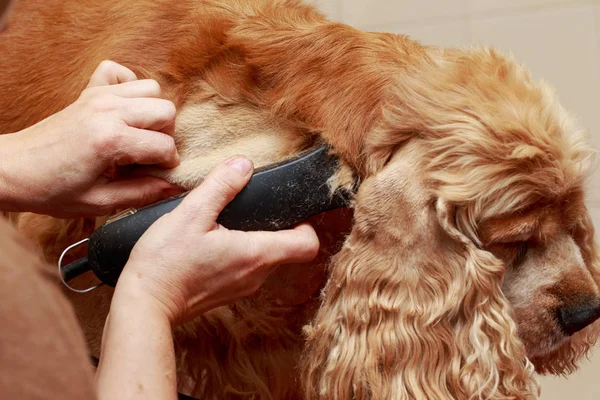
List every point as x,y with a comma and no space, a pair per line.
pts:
276,197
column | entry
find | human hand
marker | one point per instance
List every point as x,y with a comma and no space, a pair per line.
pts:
5,6
69,164
187,264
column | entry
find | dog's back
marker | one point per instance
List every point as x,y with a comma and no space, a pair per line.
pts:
47,56
51,48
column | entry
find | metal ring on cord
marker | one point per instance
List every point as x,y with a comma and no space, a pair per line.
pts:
60,274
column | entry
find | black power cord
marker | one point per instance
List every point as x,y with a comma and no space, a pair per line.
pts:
76,268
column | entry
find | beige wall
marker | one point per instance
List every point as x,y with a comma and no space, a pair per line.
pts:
559,40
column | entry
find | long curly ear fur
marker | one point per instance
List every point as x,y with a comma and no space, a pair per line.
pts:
412,308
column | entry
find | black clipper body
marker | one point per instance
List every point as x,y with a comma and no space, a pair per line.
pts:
276,197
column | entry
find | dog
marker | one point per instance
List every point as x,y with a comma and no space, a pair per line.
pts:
467,260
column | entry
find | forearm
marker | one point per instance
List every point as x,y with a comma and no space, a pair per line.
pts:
10,186
137,360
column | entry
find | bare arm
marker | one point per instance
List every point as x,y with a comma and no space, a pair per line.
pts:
183,266
138,360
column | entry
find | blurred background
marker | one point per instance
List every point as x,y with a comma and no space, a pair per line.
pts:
558,40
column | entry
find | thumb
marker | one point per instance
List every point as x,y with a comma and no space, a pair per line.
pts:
298,245
217,190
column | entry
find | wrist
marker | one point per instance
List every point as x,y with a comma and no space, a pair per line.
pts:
10,190
133,296
137,357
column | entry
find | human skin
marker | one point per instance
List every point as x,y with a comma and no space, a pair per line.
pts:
185,264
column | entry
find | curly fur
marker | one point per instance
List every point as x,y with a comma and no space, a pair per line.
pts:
469,231
391,309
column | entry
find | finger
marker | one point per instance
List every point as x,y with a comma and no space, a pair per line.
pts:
145,113
140,146
133,89
218,189
297,245
111,73
127,193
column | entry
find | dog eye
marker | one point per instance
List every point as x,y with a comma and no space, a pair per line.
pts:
522,248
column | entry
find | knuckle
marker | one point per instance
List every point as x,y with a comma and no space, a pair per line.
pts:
170,148
223,184
98,103
153,87
108,139
165,142
86,94
163,146
106,66
168,109
89,95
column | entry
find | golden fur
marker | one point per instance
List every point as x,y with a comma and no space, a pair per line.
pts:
469,233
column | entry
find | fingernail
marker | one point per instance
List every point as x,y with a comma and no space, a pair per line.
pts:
240,164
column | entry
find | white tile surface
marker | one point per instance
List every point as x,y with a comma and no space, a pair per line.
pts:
329,7
559,46
482,6
581,385
597,15
453,34
380,12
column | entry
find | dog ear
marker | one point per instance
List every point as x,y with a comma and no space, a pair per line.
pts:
412,308
584,237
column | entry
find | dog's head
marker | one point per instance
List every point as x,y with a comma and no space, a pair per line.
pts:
472,251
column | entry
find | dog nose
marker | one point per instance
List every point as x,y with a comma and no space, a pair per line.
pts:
573,319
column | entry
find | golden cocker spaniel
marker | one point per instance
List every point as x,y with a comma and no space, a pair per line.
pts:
469,258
